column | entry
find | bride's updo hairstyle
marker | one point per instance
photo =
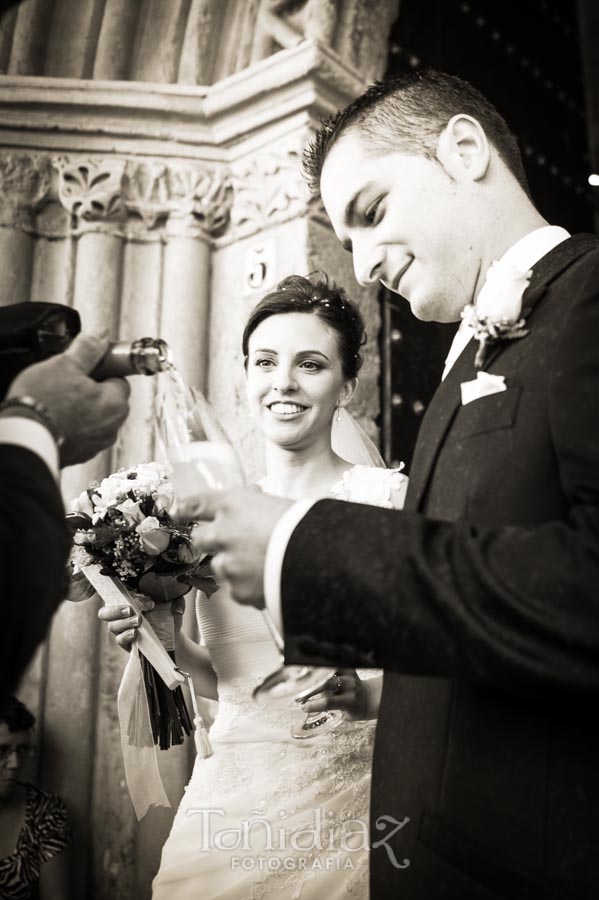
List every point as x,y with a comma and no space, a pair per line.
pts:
319,295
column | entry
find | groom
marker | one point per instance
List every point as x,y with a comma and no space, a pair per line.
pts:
481,598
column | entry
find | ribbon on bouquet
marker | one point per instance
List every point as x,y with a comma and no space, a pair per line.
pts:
140,757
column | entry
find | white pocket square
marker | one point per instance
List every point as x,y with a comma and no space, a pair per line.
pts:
483,385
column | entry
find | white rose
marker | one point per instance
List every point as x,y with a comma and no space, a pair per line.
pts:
80,558
131,511
112,491
82,504
149,477
153,539
502,298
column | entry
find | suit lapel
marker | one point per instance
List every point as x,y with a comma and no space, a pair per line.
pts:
447,398
435,424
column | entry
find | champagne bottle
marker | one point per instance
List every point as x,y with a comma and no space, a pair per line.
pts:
146,356
33,331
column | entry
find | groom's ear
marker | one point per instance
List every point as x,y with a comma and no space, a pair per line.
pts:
463,149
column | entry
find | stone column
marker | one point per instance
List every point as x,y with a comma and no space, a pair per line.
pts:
200,201
24,183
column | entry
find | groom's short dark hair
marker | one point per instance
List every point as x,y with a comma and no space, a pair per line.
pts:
408,113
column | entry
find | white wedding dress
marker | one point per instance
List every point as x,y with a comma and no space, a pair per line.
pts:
267,815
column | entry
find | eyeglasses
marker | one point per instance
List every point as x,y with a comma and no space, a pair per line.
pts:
7,750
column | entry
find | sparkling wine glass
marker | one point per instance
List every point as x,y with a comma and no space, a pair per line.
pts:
194,441
294,684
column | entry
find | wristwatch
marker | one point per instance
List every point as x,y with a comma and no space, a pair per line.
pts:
40,411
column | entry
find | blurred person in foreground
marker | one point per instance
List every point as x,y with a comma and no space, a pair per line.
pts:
54,415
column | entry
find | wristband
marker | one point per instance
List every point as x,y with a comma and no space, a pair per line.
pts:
40,410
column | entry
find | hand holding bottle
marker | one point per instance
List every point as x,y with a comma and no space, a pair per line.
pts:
84,415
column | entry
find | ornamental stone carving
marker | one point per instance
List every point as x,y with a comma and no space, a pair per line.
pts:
25,185
135,199
200,197
146,193
284,23
269,188
91,190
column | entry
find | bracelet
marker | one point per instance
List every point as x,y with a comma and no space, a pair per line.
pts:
40,410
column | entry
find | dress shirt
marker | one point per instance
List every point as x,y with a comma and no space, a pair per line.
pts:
521,256
32,435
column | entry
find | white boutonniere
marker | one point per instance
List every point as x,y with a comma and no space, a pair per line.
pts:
496,314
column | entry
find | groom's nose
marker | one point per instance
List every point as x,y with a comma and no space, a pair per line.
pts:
368,261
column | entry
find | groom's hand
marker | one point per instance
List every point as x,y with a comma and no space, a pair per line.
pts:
235,526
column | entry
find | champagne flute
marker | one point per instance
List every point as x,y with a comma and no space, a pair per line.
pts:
296,683
194,441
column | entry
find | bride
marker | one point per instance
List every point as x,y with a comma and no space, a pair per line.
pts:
268,815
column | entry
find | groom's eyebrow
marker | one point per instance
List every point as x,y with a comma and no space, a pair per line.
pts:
350,210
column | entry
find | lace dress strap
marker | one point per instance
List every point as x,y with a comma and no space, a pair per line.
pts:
370,485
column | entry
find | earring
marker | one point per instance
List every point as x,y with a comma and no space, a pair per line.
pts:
338,413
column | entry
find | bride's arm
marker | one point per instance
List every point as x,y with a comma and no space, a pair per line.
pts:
195,660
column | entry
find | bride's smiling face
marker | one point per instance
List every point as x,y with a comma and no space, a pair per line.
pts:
295,379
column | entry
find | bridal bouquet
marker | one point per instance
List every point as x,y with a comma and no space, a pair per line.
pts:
123,530
124,524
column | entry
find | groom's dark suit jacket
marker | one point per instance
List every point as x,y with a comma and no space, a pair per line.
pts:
34,549
481,601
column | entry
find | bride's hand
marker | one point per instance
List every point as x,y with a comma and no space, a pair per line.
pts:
345,691
123,622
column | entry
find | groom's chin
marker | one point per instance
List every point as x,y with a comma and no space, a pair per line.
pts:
423,308
433,309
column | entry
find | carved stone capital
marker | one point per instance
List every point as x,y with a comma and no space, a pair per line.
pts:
200,198
140,198
91,189
146,194
269,188
25,186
